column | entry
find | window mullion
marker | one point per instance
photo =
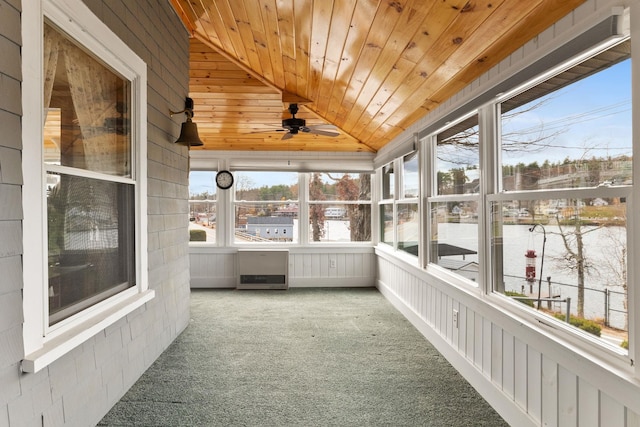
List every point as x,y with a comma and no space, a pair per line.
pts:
489,175
303,209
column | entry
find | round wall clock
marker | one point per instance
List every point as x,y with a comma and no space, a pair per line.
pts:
224,180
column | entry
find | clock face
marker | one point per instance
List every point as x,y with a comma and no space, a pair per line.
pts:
224,180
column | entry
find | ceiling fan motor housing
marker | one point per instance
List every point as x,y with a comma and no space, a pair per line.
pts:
293,124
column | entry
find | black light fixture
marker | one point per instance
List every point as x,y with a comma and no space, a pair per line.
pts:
189,131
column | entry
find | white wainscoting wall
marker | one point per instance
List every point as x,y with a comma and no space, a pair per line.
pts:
321,266
526,374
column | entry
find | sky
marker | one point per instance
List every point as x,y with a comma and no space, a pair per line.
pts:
589,118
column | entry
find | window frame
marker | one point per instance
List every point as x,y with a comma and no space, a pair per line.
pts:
226,204
487,105
496,193
306,180
234,203
216,203
390,188
403,200
432,197
42,344
388,185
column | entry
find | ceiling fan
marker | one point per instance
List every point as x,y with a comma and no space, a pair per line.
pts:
294,125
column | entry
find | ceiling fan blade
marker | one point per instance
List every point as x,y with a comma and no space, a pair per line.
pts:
323,126
269,130
287,135
323,132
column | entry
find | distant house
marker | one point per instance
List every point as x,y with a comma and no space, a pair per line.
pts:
333,213
289,210
271,227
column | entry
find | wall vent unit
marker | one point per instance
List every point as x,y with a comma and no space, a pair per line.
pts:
263,269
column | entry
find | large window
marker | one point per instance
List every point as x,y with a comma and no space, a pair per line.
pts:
339,207
386,204
203,206
454,199
398,208
559,221
84,179
408,218
266,207
90,193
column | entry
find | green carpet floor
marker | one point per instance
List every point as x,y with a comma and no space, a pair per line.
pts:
301,357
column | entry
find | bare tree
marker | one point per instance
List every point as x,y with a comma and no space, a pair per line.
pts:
359,214
316,211
575,256
243,184
615,264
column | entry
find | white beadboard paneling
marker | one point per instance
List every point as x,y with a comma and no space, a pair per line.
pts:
462,325
215,267
208,270
308,266
508,368
567,398
534,383
496,354
520,381
478,340
487,347
455,329
633,418
588,404
469,363
433,306
447,323
471,329
527,379
549,392
612,413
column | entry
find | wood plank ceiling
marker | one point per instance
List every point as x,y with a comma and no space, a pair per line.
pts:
369,67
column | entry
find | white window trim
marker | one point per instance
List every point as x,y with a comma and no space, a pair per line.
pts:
581,342
41,346
429,145
615,358
305,179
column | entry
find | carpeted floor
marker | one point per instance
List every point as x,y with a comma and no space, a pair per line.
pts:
301,357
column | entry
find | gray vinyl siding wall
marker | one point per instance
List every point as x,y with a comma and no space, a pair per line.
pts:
79,388
11,348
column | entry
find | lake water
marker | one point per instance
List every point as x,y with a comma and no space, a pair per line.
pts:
603,250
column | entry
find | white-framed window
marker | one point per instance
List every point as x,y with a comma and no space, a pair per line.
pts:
398,207
84,168
386,204
203,206
454,198
266,201
339,207
265,207
559,217
530,196
408,214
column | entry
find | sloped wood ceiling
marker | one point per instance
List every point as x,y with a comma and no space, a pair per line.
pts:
370,67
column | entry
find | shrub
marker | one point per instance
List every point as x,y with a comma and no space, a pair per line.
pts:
584,324
197,236
625,344
516,294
